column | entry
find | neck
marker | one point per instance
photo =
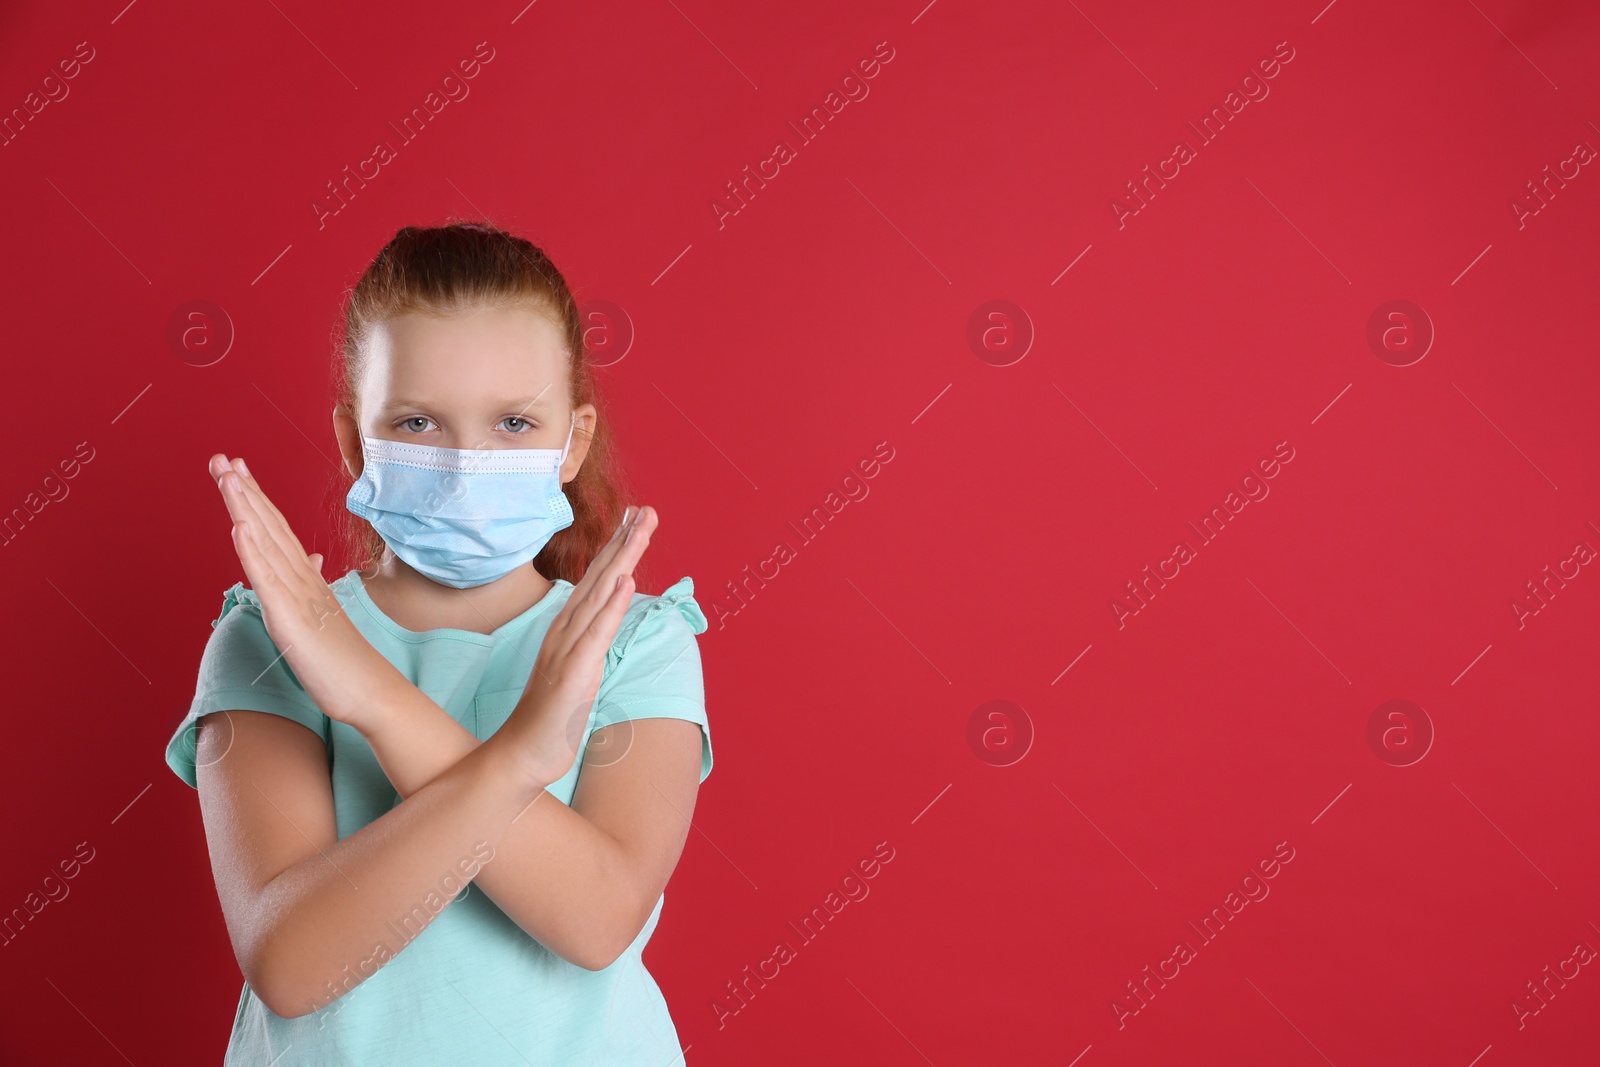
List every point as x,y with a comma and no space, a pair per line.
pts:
419,603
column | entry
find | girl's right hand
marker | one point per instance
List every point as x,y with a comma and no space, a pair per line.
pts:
338,668
547,724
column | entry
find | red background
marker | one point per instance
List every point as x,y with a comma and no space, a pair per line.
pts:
771,355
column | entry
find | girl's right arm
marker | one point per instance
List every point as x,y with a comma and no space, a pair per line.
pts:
306,912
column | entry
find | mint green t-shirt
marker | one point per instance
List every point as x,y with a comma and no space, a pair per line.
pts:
472,987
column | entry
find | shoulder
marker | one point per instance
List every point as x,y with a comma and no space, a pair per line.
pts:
653,668
249,604
674,610
238,596
240,621
241,669
239,637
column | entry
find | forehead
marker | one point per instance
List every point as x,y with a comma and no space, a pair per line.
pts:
482,354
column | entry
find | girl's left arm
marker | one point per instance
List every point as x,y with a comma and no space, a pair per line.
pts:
580,880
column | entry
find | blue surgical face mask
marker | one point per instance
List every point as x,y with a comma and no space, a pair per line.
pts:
462,516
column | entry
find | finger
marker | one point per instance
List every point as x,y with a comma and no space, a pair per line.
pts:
630,548
249,555
277,525
600,616
622,552
233,501
601,630
258,493
590,581
607,551
619,558
276,566
236,494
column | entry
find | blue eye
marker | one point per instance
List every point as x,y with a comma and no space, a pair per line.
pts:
416,418
519,419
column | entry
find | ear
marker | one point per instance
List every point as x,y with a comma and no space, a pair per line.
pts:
587,418
348,432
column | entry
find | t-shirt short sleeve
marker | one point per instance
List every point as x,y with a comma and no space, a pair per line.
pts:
241,669
653,666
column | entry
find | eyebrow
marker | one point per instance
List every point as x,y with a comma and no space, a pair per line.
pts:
519,404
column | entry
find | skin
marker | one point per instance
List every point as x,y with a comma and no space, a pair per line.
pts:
303,908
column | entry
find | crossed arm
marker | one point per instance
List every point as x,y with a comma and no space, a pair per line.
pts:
305,911
583,879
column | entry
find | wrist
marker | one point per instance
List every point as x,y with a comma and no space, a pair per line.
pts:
513,762
382,706
538,746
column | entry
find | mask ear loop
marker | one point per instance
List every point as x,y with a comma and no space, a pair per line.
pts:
568,446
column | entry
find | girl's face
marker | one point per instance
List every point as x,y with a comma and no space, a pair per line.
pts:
484,378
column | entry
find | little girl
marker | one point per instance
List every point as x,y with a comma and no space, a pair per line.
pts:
397,884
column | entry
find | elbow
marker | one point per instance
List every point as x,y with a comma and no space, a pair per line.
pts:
279,1001
602,962
603,948
285,1004
619,938
281,1010
286,1010
598,958
281,993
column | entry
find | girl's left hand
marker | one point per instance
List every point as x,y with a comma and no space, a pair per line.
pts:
546,725
338,667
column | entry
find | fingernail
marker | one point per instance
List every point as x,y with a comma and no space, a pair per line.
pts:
244,470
